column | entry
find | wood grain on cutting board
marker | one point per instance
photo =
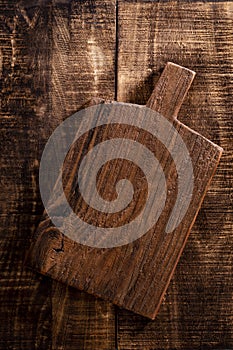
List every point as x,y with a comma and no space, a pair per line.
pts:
135,271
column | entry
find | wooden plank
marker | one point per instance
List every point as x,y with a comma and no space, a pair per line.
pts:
197,309
82,65
25,302
40,88
81,320
83,58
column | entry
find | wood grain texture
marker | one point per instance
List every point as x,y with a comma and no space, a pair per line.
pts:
146,265
41,87
82,65
25,302
171,90
81,320
197,308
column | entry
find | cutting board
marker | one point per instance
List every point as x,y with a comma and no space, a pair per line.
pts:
122,185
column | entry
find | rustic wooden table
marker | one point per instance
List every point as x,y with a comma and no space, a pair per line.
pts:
54,56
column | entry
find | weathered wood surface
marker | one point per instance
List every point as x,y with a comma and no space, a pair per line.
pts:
82,65
197,310
53,58
25,318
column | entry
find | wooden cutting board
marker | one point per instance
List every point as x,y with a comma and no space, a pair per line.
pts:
122,185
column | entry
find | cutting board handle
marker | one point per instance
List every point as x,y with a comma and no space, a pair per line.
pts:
171,89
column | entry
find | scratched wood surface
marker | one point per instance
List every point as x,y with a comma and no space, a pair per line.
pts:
46,77
24,297
82,66
198,308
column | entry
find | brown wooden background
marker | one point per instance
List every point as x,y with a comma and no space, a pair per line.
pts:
54,56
